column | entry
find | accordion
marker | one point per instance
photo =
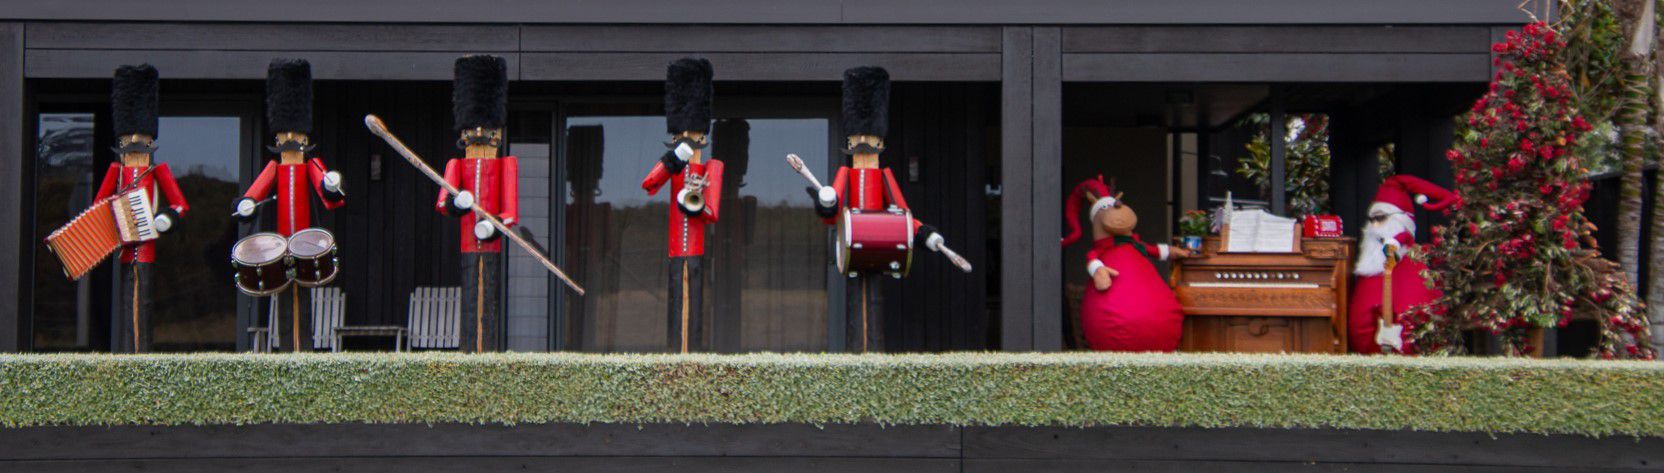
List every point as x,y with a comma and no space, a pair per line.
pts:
103,228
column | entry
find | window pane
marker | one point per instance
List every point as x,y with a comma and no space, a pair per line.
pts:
769,254
765,259
66,313
195,304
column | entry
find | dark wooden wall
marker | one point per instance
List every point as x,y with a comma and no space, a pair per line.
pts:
793,11
391,240
944,129
802,448
795,41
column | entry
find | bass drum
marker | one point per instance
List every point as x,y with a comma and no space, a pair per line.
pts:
875,241
257,264
312,255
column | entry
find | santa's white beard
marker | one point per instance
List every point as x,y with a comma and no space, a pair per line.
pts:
1372,261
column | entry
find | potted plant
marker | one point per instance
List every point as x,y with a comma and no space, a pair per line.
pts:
1194,225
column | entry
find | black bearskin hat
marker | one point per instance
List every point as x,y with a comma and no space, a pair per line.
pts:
866,101
479,96
687,96
289,96
133,100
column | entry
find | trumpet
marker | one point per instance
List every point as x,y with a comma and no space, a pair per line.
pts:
692,196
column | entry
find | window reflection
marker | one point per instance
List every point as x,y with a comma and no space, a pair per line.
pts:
196,310
766,259
65,312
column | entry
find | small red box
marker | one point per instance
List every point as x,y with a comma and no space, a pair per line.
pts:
1322,226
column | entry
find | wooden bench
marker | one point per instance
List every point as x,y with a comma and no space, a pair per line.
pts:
435,317
434,321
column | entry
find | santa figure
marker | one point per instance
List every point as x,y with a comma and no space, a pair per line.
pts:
1129,306
1390,232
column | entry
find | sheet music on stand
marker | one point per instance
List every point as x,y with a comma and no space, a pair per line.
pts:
1256,231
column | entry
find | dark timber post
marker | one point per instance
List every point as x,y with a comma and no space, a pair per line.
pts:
1017,245
1031,123
1048,189
11,180
1279,153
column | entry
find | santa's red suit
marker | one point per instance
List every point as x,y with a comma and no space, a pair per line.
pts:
161,179
1139,311
1391,228
292,181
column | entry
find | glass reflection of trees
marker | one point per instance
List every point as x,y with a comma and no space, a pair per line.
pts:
766,257
66,314
196,307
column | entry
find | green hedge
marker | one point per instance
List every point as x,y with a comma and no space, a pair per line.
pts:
1438,394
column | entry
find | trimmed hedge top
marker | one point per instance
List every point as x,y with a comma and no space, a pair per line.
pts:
1595,398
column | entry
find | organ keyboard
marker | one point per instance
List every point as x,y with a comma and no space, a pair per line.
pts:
1265,302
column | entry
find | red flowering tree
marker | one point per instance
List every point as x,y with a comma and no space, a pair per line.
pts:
1517,253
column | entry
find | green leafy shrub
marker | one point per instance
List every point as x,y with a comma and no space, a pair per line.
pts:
1077,389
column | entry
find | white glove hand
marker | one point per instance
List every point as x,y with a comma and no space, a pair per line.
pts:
684,152
163,222
934,242
484,230
464,200
245,207
828,196
332,182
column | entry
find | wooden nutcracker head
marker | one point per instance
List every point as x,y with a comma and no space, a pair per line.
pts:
289,108
866,114
133,102
479,101
1108,215
687,104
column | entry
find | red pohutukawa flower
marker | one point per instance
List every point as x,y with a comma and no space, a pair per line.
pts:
1518,260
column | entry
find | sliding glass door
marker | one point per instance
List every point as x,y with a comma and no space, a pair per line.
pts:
766,277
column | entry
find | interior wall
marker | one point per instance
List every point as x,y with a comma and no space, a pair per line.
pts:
1137,159
939,151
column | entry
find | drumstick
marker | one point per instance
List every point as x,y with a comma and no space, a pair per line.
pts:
954,258
256,204
380,129
797,164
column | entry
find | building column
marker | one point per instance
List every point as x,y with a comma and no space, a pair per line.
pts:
1031,124
12,167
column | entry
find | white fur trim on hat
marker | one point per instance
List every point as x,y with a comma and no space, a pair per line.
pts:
1101,204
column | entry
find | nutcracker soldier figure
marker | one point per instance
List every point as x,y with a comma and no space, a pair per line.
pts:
479,99
290,176
864,188
695,187
133,102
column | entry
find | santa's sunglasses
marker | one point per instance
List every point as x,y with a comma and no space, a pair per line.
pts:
1378,218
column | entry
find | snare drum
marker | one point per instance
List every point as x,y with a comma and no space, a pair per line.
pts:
257,264
875,241
312,256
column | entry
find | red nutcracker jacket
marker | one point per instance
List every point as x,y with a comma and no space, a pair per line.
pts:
868,189
495,183
159,179
687,234
294,210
